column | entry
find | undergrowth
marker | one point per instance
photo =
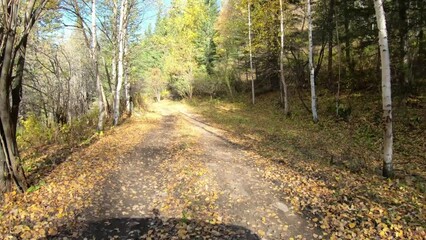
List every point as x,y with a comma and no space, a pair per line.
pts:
33,132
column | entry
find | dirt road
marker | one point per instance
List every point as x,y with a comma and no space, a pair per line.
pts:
185,180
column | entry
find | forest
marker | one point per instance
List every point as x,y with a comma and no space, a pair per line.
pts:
212,119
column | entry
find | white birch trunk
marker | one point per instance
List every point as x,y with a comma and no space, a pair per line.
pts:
96,70
386,89
311,66
114,47
406,63
114,70
251,55
126,80
120,72
105,102
283,83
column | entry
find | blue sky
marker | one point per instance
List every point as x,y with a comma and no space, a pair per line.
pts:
153,13
149,16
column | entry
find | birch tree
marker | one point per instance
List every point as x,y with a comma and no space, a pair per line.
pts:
122,32
283,84
311,66
386,89
127,81
101,95
91,42
114,37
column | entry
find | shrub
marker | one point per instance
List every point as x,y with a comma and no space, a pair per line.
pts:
32,131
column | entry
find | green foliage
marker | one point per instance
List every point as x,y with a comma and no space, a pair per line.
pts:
184,216
36,187
207,85
181,46
344,111
183,86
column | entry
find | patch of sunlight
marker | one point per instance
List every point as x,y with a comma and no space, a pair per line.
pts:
253,136
187,130
168,107
188,134
228,107
151,116
292,132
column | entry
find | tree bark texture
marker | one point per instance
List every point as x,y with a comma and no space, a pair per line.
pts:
122,31
311,67
251,55
282,76
386,89
13,52
100,93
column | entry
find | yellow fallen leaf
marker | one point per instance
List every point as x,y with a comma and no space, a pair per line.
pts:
20,228
352,225
182,233
52,231
26,235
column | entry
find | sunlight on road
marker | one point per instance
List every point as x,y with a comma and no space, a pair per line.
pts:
167,107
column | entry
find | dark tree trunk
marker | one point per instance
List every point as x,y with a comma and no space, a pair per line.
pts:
17,89
403,74
330,42
5,181
11,171
10,161
348,46
421,40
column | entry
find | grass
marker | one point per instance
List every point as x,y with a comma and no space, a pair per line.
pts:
354,144
339,161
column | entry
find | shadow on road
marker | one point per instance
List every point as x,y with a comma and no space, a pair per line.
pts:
157,228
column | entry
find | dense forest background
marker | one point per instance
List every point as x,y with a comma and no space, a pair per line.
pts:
195,48
72,68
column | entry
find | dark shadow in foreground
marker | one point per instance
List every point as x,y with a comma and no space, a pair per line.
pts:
157,228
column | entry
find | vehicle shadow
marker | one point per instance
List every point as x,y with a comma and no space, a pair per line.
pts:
156,228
